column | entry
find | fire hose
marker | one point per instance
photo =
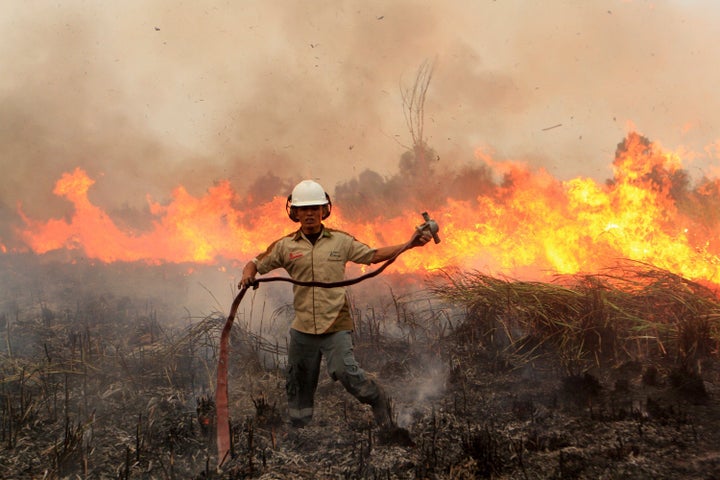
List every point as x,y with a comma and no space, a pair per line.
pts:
221,392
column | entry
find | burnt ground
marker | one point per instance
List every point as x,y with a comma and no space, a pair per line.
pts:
98,386
490,420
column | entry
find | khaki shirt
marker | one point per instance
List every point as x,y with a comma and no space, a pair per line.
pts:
317,310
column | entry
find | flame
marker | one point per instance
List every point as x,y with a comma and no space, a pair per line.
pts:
531,225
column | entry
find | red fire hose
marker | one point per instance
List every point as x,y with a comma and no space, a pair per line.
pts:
221,393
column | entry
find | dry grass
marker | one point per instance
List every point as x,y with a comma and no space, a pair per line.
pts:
630,312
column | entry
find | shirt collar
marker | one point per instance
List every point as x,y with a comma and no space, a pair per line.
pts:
324,233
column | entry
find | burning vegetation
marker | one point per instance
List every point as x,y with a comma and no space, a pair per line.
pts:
560,330
499,217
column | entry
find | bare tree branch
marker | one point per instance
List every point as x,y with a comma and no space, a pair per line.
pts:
414,103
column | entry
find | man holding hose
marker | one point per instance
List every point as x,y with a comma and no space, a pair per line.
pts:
322,325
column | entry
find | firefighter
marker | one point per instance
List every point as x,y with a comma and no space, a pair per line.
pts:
322,325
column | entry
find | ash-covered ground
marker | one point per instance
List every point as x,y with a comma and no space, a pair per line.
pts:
102,381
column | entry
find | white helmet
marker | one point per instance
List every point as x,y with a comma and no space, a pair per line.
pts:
306,194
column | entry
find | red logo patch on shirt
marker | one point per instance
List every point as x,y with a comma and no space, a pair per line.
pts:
294,255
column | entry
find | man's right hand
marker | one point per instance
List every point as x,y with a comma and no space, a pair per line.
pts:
248,276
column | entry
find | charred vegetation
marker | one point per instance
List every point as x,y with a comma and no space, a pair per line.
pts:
611,375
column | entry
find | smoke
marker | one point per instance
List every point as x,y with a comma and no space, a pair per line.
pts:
149,95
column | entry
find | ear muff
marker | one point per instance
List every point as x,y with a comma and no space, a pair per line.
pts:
327,208
292,211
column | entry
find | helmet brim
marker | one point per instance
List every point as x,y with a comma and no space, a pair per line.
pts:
308,204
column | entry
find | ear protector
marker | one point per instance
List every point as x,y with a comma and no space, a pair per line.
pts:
292,211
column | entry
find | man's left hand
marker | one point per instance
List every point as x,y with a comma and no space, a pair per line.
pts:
421,238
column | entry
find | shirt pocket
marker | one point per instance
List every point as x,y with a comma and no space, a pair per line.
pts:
335,256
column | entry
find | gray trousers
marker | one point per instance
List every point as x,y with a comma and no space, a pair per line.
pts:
304,358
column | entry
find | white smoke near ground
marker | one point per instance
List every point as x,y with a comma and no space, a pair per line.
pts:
422,391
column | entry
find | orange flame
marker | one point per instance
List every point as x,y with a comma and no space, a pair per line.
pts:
532,225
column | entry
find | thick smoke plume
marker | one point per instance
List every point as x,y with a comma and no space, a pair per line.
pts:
149,95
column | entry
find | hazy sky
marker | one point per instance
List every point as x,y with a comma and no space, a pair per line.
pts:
149,94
